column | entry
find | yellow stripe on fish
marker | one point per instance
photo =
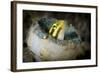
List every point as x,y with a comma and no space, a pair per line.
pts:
56,27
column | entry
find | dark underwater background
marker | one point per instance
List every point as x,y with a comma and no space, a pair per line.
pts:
80,21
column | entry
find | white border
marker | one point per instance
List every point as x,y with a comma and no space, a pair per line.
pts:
35,65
